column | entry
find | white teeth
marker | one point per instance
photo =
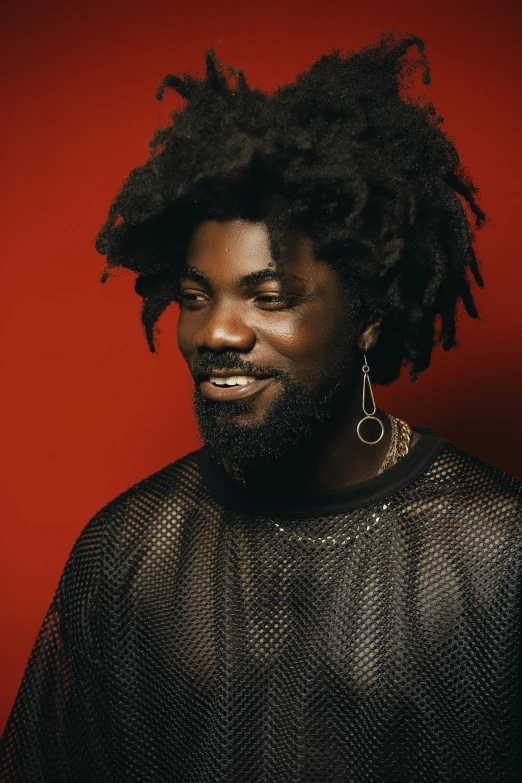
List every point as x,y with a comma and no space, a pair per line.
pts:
232,380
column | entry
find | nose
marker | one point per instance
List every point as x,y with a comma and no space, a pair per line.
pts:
224,329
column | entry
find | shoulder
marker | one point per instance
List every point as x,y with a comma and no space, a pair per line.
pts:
472,474
123,537
163,499
174,489
471,487
173,483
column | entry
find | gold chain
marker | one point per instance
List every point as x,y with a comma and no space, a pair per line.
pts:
293,535
238,473
394,440
399,444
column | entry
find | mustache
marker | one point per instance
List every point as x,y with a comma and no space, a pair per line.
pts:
230,361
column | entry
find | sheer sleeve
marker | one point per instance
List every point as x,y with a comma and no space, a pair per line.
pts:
58,727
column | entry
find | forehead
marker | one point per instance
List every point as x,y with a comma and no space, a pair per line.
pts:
230,249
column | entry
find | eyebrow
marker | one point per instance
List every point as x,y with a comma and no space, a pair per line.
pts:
261,276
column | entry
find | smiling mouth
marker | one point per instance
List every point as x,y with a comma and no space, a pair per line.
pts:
232,387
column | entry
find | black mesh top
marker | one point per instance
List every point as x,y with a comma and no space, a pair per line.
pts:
365,634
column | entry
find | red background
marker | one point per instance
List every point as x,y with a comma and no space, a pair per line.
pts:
88,411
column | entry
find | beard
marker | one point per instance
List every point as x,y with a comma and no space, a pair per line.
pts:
294,418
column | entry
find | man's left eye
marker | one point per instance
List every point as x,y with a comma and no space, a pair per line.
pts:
275,299
270,298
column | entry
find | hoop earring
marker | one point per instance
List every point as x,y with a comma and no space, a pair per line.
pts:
367,386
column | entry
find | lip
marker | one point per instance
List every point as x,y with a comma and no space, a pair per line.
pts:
224,394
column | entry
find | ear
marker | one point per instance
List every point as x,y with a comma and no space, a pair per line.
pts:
369,334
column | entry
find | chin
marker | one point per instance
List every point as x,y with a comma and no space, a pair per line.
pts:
265,428
243,421
241,437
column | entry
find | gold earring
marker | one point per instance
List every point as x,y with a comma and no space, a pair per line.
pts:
367,386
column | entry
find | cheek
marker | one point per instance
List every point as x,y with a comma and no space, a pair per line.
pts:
313,347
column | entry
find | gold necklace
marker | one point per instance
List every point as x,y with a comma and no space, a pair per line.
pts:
399,447
293,535
399,444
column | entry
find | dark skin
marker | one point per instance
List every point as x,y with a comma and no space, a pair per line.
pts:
304,335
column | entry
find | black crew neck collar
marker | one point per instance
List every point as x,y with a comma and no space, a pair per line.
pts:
236,497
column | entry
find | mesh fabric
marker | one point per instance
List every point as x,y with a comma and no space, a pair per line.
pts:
191,641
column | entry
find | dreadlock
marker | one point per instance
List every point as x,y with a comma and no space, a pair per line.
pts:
343,154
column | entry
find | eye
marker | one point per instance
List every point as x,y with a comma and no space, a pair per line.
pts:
271,298
191,299
274,300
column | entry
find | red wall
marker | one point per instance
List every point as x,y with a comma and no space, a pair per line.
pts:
87,410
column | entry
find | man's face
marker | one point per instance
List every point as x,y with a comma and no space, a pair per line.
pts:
287,364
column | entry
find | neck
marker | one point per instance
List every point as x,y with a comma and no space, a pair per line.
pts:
335,457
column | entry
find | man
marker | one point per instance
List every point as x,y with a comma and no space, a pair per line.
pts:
322,592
